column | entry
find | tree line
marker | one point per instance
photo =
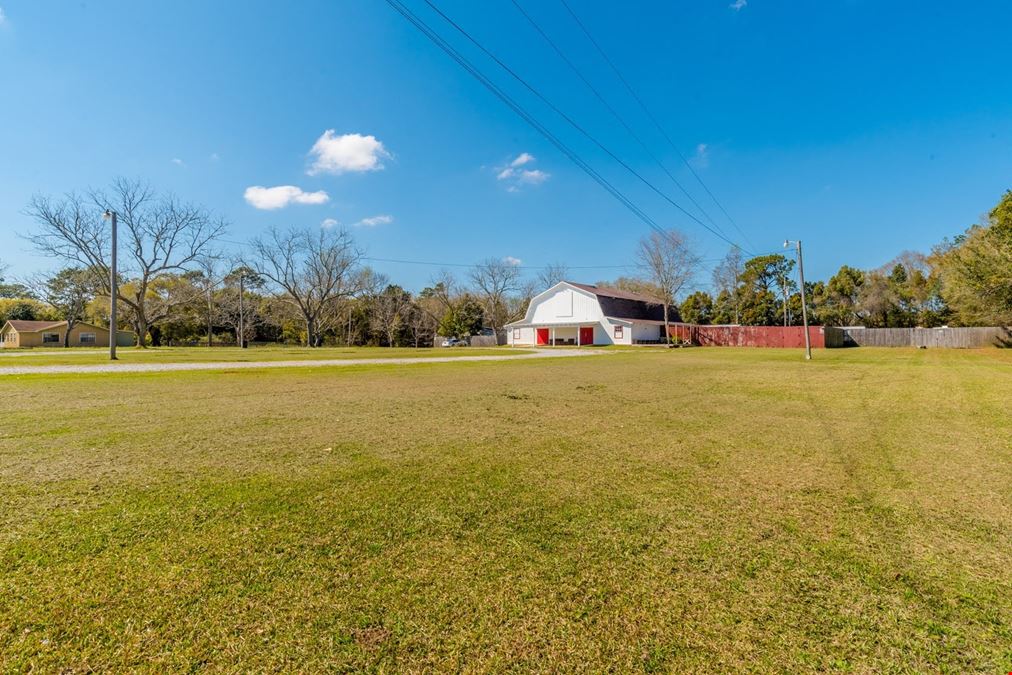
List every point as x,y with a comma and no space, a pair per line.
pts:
311,286
963,281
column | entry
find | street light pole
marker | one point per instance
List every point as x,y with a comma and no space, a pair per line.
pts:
804,303
113,290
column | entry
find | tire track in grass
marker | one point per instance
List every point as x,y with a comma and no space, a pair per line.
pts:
895,566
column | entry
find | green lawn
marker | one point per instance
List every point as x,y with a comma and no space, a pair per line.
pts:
81,356
706,510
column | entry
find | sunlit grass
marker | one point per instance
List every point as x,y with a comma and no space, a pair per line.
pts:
704,510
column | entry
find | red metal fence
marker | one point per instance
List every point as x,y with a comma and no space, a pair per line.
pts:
756,336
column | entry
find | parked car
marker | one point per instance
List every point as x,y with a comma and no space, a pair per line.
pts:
454,342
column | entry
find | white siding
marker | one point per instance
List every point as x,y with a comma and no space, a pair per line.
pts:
626,338
526,336
647,331
565,305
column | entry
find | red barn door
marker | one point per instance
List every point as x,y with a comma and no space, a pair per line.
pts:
542,336
586,335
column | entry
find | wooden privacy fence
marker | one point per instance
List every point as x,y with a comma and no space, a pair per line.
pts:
830,336
964,338
757,336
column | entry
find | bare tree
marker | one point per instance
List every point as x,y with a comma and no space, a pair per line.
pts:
422,322
518,302
315,269
160,237
670,262
206,278
238,305
441,294
727,277
495,280
388,310
551,275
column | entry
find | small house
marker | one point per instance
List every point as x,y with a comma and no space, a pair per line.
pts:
19,334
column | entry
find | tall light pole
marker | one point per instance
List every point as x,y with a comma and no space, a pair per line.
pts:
804,304
113,290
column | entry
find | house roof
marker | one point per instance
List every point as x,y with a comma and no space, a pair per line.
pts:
33,326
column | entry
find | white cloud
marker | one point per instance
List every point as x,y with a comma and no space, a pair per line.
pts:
517,177
383,219
329,223
281,196
702,157
350,152
515,262
738,5
522,158
178,162
533,177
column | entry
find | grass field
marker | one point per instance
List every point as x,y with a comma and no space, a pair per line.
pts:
687,510
82,356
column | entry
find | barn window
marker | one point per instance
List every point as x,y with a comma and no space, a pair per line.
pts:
87,338
618,332
50,338
516,333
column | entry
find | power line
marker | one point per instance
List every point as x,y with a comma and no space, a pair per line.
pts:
652,118
573,123
522,113
614,113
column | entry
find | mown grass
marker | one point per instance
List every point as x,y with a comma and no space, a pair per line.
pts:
684,510
81,356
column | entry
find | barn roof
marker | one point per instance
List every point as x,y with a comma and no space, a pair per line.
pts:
619,304
615,293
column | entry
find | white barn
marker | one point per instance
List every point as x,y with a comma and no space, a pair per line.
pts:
579,314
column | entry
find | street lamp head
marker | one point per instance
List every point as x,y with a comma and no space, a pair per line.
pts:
109,213
787,243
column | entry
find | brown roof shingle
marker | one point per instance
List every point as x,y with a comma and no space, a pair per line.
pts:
33,326
616,293
627,305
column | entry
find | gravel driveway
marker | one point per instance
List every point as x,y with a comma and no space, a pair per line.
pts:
240,365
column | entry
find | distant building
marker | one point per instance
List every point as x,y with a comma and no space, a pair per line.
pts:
15,334
580,314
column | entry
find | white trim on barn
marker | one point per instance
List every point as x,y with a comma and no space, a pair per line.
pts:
573,314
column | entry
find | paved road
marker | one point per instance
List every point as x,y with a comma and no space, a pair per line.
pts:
239,365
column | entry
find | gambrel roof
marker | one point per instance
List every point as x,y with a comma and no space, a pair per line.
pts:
620,304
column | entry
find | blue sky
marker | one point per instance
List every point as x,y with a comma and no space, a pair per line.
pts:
862,127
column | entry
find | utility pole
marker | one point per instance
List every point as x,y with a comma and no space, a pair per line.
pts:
242,328
210,320
113,290
804,303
